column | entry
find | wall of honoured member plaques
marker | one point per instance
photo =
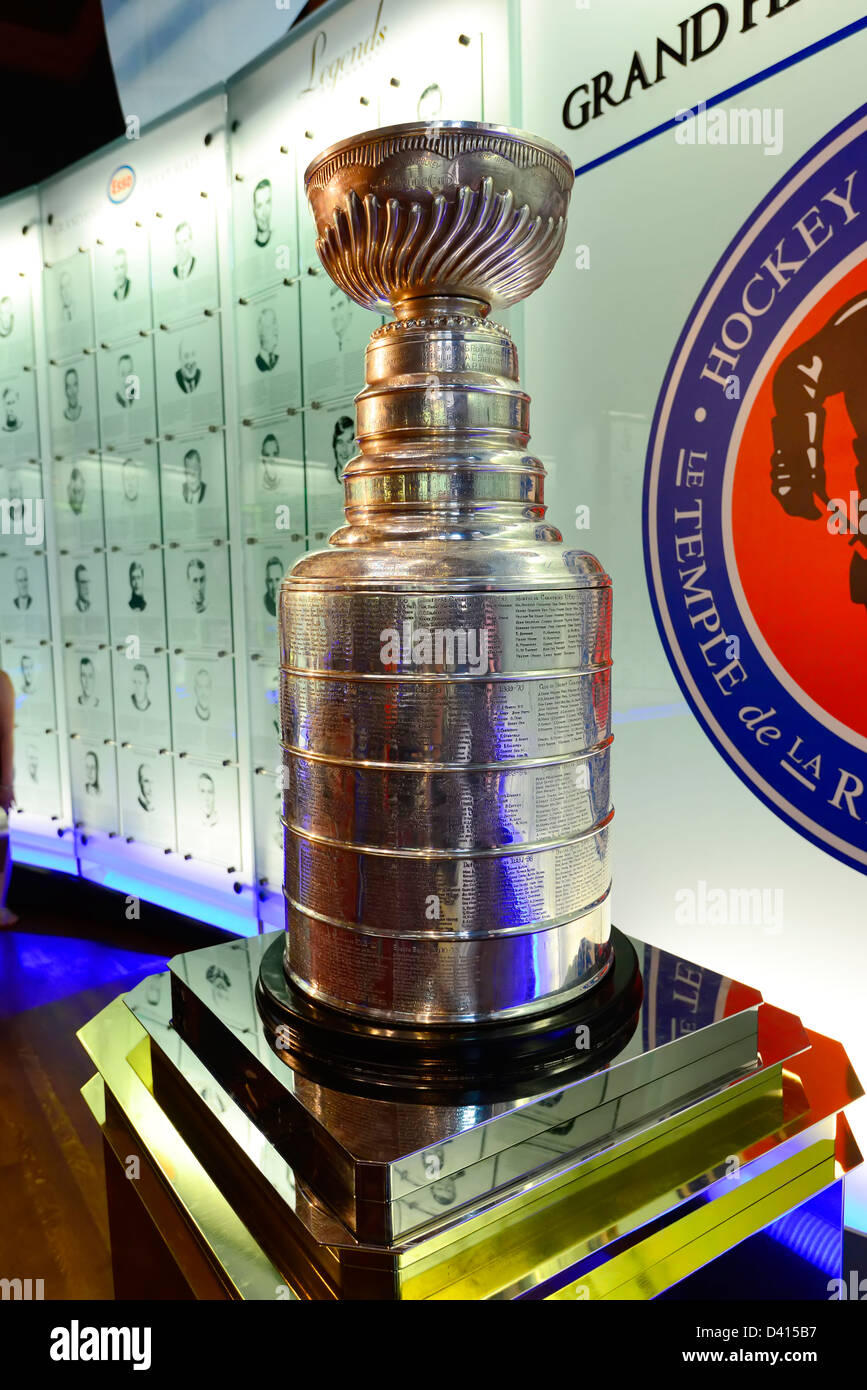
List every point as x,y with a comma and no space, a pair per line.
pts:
176,404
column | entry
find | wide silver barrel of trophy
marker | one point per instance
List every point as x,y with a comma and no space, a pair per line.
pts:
446,665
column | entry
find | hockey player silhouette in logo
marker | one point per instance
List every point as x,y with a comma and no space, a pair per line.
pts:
830,362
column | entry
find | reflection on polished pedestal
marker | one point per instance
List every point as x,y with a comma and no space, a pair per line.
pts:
704,1119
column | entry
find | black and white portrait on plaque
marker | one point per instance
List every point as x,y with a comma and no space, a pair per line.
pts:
193,480
189,377
72,401
208,816
88,688
273,577
272,479
131,499
269,378
184,262
264,686
24,596
265,563
147,796
78,519
263,213
263,207
200,608
203,705
127,398
83,597
141,697
330,444
37,775
19,425
28,666
68,306
335,333
122,290
16,324
137,598
93,776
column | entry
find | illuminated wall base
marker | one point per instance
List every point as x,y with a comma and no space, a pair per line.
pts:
201,891
712,1119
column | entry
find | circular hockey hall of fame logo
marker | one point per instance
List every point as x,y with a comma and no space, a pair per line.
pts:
755,499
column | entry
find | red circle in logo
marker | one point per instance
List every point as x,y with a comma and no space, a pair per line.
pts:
795,571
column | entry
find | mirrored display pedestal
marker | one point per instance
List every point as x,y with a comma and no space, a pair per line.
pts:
624,1153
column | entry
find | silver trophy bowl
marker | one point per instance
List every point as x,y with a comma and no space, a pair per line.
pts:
445,662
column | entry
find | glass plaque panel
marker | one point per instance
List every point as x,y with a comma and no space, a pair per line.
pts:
208,817
137,598
272,479
87,683
147,796
264,685
83,597
330,444
263,214
141,699
77,487
93,774
268,826
37,775
131,497
29,668
335,334
127,399
446,77
21,488
203,706
265,563
122,289
184,262
16,323
189,379
72,400
193,481
269,355
19,424
24,596
68,307
200,610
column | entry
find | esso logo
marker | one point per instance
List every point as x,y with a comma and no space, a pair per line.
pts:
121,184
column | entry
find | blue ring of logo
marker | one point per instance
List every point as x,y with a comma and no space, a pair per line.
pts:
693,413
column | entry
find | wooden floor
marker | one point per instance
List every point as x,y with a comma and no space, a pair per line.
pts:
53,1221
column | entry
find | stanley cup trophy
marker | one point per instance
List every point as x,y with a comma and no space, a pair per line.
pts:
446,662
451,1077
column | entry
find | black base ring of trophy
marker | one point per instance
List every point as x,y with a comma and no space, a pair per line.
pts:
419,1062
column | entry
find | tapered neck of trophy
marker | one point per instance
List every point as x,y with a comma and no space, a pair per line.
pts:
430,305
443,426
